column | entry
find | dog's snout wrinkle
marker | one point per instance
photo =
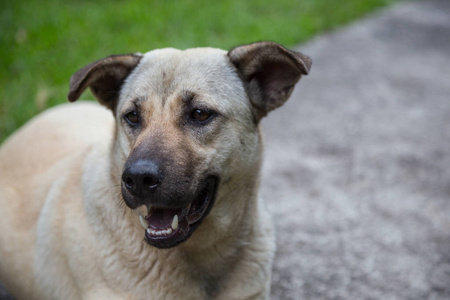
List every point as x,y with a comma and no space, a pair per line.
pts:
142,177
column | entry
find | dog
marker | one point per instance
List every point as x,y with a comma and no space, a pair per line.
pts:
158,199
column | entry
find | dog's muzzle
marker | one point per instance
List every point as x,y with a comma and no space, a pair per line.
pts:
172,216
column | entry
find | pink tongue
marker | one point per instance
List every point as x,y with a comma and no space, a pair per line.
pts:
162,218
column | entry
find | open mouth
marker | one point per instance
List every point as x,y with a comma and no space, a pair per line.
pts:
165,228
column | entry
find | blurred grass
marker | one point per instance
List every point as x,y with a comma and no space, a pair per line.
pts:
43,42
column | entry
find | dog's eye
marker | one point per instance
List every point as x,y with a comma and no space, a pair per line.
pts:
132,118
201,115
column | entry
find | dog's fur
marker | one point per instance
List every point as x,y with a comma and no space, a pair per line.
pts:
69,230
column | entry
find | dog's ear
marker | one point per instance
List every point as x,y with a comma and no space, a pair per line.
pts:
105,78
269,72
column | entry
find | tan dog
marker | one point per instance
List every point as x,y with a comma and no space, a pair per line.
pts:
181,158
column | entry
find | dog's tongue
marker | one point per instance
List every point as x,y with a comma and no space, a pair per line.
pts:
160,218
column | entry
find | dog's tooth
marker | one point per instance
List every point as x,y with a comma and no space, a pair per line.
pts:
143,222
175,222
169,231
149,231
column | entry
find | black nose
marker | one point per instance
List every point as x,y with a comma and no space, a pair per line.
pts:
141,177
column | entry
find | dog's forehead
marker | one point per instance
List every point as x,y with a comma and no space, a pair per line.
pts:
164,73
174,59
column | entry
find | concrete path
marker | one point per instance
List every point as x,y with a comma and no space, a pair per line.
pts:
357,170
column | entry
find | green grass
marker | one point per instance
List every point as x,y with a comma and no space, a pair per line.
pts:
43,42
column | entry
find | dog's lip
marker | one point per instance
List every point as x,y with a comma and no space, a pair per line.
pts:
167,227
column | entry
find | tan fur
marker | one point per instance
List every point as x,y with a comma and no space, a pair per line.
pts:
66,233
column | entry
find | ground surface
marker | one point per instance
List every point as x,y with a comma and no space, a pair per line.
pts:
357,169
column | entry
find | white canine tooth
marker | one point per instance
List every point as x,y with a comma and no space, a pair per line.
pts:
175,222
169,231
148,231
143,222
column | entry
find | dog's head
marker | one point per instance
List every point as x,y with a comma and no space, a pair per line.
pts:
187,124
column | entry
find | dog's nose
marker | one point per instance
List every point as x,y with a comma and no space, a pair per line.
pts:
141,177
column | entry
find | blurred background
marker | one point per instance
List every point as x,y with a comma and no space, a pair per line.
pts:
44,42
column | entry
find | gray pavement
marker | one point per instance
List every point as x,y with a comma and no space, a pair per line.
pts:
357,169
